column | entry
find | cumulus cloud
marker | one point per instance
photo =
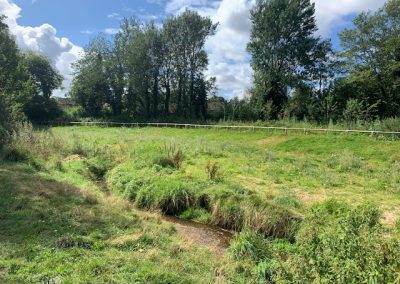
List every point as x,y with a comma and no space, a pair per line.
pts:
43,40
330,13
229,61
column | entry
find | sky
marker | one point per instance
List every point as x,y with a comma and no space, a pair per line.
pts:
60,29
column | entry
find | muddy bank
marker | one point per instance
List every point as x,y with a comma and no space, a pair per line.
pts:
214,238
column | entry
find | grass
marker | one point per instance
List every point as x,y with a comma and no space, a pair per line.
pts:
51,231
69,208
307,168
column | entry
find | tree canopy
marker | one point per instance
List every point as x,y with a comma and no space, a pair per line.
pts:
147,71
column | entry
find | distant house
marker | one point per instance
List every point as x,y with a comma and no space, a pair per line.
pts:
65,103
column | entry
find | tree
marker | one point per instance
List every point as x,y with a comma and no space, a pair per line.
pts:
370,50
91,87
45,77
185,36
282,43
148,70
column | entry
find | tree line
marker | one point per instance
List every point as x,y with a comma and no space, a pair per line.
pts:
298,74
147,71
150,71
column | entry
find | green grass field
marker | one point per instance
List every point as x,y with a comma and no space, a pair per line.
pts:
85,205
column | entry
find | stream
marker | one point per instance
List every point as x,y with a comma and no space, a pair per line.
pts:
208,236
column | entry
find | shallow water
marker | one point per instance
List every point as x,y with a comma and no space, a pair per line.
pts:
212,237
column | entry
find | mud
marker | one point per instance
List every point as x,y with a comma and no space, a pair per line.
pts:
212,237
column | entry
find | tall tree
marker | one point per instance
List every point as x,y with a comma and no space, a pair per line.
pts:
282,42
370,50
186,35
91,85
44,76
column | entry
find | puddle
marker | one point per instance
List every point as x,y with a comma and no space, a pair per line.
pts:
204,235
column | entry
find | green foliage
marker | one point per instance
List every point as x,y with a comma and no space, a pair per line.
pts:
213,171
282,43
45,78
370,53
26,81
338,244
249,245
168,195
172,159
42,109
147,70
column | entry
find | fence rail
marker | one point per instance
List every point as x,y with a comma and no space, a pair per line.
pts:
286,130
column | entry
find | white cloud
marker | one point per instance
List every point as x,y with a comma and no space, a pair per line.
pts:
87,32
115,16
111,31
43,40
330,13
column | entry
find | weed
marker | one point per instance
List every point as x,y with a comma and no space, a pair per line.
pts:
70,241
213,171
172,159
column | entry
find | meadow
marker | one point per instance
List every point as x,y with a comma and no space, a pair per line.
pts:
86,205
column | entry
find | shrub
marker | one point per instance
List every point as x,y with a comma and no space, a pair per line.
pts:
337,244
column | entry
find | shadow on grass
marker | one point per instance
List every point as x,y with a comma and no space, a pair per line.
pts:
36,210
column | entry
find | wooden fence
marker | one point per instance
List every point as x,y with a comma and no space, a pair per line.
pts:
286,130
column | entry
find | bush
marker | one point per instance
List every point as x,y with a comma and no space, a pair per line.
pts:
337,244
42,109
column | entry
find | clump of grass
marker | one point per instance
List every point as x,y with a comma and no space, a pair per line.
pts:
288,201
127,179
165,194
236,208
213,171
197,214
98,167
172,159
345,161
248,244
70,241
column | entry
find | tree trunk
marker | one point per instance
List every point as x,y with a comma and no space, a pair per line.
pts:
155,96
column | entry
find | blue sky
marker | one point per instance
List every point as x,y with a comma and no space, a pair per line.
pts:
77,19
60,29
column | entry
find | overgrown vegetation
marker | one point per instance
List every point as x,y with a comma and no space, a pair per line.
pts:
276,193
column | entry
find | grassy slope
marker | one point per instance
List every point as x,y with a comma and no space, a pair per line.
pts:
52,231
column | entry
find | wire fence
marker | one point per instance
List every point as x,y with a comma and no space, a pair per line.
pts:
285,130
